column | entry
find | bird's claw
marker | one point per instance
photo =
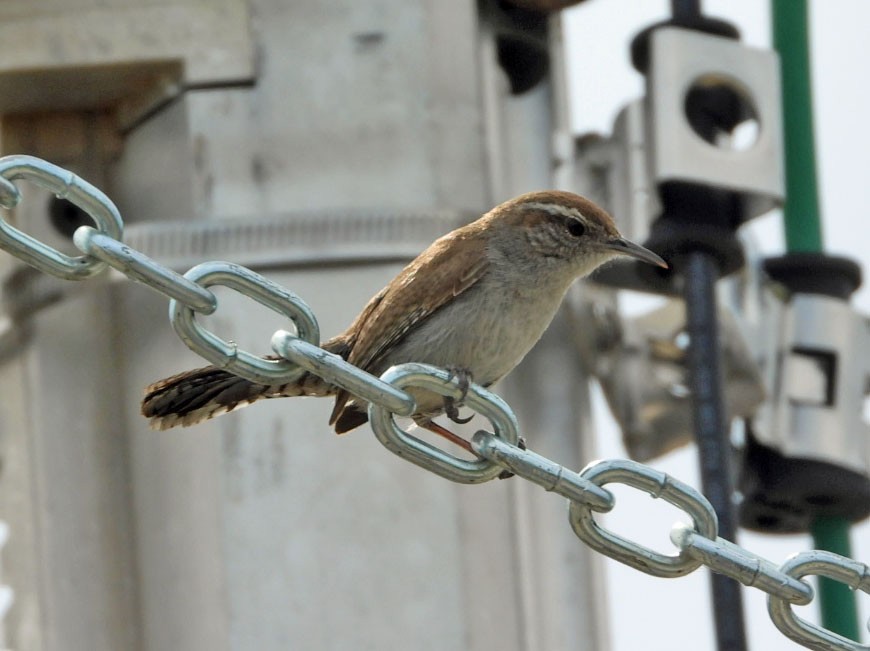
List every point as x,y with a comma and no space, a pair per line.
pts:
452,411
463,380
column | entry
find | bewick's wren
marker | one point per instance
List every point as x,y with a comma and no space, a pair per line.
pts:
475,301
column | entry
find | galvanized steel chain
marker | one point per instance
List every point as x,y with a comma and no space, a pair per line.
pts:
497,452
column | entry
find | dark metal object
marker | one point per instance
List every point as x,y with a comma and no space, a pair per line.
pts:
521,41
700,273
543,6
815,273
696,232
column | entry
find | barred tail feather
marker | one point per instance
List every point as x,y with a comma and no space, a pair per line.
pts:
194,396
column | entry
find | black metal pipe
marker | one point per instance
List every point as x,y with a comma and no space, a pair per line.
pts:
697,227
686,10
700,272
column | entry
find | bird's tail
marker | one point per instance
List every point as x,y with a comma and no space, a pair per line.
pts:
194,396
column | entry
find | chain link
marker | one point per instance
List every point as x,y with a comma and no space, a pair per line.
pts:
839,568
227,355
392,395
415,450
142,269
657,484
542,471
724,557
335,370
65,185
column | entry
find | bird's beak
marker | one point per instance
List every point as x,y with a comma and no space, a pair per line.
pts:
625,247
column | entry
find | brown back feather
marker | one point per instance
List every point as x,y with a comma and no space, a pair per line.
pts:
415,294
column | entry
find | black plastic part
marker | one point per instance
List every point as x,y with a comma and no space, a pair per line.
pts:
699,218
686,10
542,6
525,63
815,273
695,218
522,46
786,494
672,238
699,23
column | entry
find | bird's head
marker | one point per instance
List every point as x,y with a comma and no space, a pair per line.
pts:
563,230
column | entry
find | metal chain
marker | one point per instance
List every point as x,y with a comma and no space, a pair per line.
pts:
497,451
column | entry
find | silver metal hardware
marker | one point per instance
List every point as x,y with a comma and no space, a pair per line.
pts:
500,451
681,60
644,377
415,450
142,269
336,371
821,372
65,185
542,471
657,484
854,574
724,557
227,355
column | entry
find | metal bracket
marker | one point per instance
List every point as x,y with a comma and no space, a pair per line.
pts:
683,62
819,374
642,372
613,171
653,140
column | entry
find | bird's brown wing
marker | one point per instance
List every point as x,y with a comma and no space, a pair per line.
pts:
417,292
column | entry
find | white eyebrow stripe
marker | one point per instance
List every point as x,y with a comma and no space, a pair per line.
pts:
556,209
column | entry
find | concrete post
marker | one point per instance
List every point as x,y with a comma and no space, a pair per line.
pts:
356,134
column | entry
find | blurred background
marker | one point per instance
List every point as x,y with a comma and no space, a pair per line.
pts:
324,145
597,89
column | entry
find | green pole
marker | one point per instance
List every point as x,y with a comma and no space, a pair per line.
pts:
803,230
803,233
837,601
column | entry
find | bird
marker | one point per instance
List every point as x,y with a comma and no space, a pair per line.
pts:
474,302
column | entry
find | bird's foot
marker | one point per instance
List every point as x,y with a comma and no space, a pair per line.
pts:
442,431
452,411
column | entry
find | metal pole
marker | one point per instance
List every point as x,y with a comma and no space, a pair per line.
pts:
700,272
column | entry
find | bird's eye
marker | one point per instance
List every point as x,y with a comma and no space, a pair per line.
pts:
576,228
